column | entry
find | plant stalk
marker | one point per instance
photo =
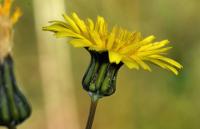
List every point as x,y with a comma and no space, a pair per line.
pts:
93,106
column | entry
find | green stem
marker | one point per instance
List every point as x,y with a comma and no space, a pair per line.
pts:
12,127
93,106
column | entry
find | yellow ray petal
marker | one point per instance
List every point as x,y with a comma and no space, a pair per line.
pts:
114,57
152,52
168,60
141,63
60,23
91,24
159,44
6,7
111,40
100,24
133,45
147,40
131,64
71,23
80,43
97,39
164,65
68,33
56,28
80,23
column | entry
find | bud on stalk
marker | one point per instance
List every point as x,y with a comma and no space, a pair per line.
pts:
14,108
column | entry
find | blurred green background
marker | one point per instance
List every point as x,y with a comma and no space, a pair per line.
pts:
144,100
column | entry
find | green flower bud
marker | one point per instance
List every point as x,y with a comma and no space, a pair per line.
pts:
14,108
100,78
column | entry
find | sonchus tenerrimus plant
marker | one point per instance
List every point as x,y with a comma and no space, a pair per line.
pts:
14,108
109,50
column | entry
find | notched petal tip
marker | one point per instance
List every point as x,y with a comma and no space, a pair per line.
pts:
45,28
48,28
149,39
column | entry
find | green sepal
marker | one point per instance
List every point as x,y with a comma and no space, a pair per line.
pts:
100,77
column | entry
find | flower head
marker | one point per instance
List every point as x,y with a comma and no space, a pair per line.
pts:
5,12
129,48
7,20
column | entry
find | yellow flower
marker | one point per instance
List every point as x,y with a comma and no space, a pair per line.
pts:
6,25
123,46
5,12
